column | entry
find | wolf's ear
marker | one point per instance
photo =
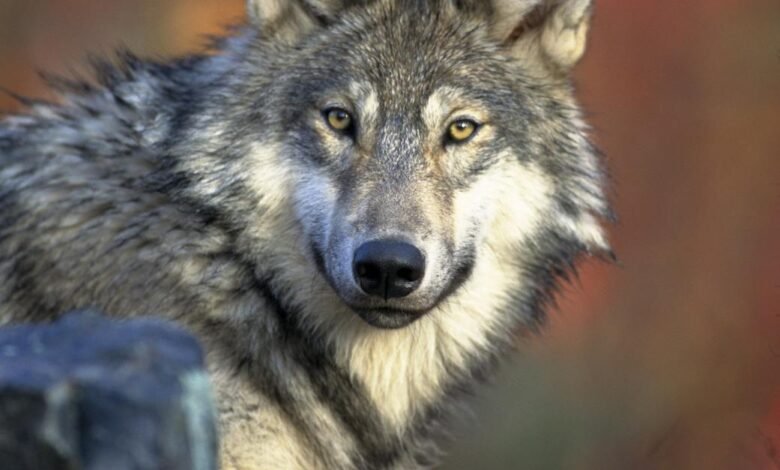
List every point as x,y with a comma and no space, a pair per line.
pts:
551,32
289,20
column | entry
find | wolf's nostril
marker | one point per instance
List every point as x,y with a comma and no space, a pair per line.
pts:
388,269
369,272
409,275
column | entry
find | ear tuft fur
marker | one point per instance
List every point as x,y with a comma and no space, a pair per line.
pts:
552,33
565,34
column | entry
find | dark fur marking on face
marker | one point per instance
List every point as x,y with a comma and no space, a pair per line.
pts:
462,274
319,262
307,142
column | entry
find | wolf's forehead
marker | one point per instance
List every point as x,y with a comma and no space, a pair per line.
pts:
404,58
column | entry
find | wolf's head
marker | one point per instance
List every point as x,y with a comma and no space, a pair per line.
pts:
426,147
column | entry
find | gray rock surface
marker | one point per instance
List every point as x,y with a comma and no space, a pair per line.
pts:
91,393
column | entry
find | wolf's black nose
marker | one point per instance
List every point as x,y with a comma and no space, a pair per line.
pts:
388,269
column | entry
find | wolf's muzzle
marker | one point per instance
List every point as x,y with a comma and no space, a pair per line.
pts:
388,269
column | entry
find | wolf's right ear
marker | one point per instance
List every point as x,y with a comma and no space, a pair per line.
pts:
290,20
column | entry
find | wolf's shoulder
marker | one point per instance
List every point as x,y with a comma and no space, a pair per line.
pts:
88,219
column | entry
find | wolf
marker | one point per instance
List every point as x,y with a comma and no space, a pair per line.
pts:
356,206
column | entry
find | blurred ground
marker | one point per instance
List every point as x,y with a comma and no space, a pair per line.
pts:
670,360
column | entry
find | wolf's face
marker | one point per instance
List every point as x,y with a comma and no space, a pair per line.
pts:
426,140
394,140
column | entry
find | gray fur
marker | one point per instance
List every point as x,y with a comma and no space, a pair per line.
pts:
209,190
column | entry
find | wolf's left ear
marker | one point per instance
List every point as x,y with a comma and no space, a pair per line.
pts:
289,20
551,32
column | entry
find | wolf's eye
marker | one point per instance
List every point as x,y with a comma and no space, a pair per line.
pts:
461,131
339,120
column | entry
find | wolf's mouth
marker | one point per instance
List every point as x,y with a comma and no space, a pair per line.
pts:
392,318
389,318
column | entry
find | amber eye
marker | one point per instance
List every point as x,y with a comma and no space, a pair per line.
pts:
338,119
461,130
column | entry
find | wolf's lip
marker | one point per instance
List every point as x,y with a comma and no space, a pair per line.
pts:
389,318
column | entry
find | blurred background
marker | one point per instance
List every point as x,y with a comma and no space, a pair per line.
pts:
670,360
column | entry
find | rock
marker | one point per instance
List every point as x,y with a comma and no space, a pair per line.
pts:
91,393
